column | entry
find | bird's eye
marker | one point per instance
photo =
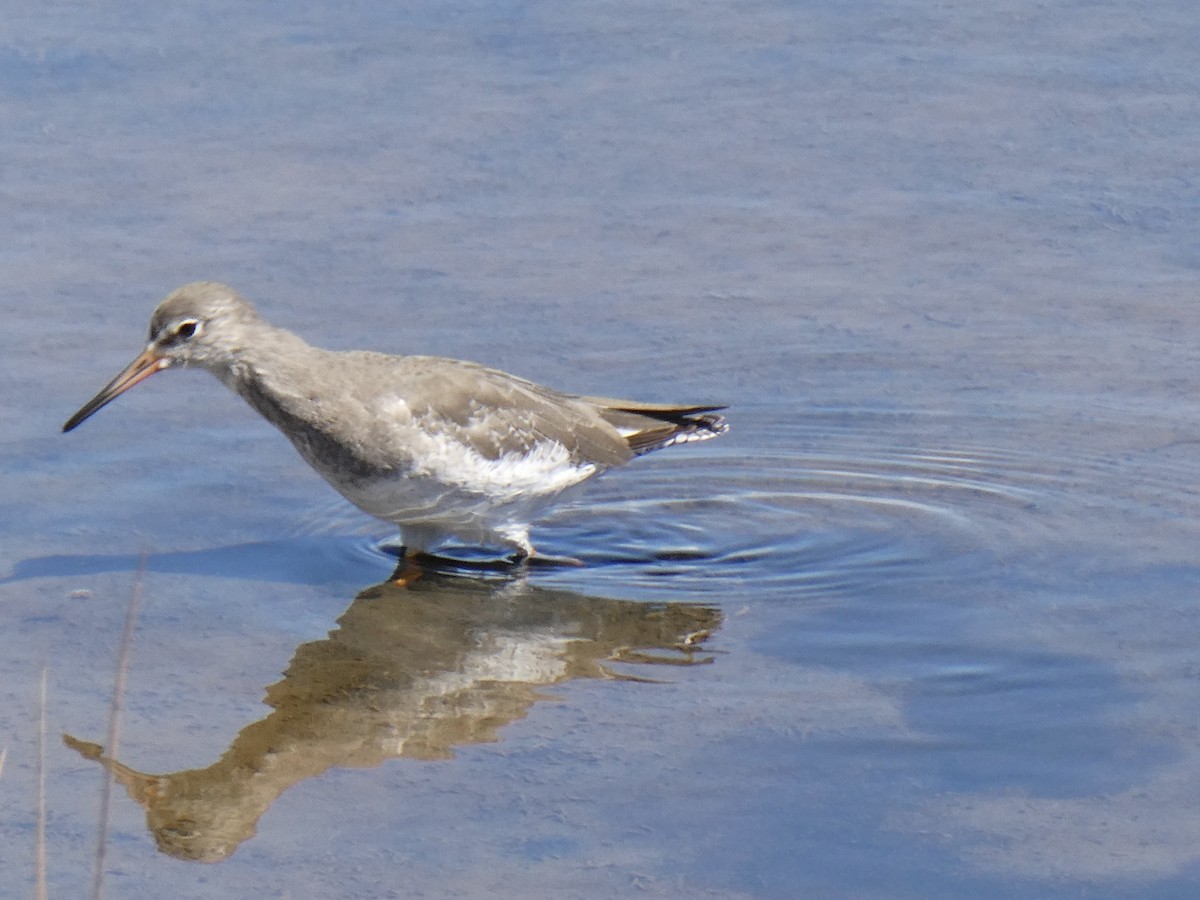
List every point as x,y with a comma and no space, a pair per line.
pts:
187,329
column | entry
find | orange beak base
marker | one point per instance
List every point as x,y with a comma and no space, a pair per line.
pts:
147,363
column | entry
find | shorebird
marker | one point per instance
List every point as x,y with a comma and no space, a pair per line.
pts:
442,448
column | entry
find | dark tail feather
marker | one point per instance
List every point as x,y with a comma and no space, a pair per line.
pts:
653,426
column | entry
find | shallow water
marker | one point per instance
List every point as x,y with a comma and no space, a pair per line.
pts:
922,624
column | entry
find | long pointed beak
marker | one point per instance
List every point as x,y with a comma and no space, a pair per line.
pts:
147,363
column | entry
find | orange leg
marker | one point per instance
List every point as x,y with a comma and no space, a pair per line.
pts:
408,570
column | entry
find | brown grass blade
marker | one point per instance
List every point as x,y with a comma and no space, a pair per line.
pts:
40,847
113,738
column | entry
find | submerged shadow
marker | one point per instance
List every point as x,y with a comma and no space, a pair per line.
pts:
306,561
408,672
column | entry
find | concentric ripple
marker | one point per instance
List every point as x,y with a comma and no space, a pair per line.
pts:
825,502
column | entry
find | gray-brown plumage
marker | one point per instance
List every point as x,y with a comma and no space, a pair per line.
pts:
440,447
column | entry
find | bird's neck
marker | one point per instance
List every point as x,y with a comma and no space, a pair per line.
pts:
271,371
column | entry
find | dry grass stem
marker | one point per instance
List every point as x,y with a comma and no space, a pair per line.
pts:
40,851
112,741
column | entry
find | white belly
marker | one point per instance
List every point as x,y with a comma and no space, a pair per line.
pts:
453,491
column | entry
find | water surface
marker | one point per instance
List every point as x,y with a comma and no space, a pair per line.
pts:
922,625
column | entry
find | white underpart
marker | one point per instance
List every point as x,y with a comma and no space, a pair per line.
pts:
682,437
546,469
688,437
453,490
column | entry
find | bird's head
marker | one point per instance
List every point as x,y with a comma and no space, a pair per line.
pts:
201,324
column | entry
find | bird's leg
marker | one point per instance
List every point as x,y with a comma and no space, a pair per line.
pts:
408,569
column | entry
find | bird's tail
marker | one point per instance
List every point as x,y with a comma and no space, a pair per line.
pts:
652,426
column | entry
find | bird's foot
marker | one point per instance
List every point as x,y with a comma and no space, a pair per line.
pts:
541,560
436,563
413,563
408,570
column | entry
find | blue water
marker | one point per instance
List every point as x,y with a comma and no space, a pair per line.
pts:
921,625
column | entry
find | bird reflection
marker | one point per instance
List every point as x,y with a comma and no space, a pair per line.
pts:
409,672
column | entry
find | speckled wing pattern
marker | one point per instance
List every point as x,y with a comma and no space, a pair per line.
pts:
498,415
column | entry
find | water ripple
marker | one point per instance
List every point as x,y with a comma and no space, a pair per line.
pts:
827,502
822,506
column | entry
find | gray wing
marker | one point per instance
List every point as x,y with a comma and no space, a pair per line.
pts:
495,413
